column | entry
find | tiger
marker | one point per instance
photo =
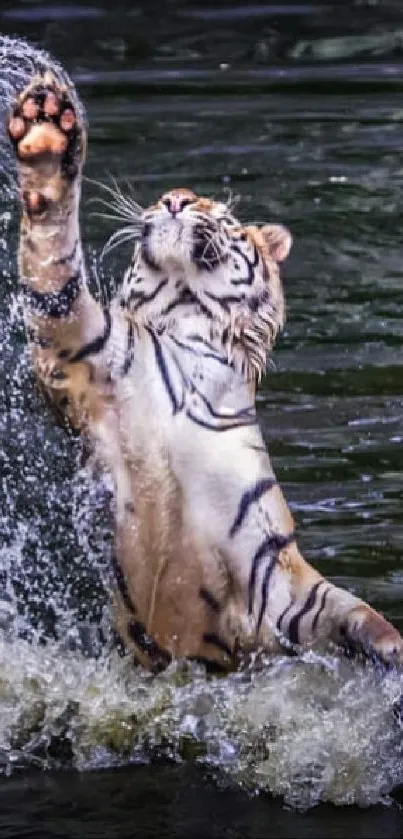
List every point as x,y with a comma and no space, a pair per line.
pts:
162,382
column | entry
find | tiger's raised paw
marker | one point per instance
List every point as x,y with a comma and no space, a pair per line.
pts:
45,124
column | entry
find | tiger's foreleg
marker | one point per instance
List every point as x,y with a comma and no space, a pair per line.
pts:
48,134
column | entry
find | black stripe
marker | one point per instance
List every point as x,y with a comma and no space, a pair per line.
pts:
176,406
293,627
226,336
203,309
57,304
209,598
250,266
197,339
97,345
129,351
199,354
250,497
138,297
243,412
214,668
70,256
145,249
185,298
212,638
122,586
283,614
226,300
212,427
254,303
160,658
265,587
320,610
272,545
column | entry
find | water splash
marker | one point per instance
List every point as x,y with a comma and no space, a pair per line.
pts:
310,730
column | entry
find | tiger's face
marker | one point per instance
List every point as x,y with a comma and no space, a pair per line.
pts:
193,258
198,234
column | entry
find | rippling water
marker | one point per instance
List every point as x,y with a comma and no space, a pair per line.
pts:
297,109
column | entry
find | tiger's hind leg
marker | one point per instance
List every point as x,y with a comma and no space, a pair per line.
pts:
288,604
47,130
319,610
282,599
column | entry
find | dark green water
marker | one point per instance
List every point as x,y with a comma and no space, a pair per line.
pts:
297,108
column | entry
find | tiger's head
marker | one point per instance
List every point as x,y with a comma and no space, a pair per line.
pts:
194,257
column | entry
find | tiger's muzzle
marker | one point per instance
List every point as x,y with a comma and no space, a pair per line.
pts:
181,242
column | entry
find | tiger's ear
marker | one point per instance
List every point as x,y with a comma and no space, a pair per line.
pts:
278,241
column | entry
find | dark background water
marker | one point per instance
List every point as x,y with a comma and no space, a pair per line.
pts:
297,108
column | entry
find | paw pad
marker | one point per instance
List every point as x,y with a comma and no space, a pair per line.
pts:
44,121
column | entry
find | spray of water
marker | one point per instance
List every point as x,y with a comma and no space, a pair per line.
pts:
309,729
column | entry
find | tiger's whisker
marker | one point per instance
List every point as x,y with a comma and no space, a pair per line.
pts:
126,200
110,247
119,214
113,217
125,234
123,202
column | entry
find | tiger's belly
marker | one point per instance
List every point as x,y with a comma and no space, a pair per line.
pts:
172,588
177,485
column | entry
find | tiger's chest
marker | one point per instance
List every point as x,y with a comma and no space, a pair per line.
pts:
172,434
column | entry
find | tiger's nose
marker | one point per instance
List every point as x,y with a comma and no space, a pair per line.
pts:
175,202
